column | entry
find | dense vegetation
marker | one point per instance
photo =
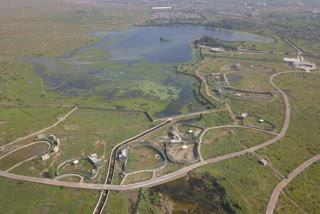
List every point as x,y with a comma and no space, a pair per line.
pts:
210,41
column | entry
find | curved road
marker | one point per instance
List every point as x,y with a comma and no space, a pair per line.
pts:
70,175
167,177
286,181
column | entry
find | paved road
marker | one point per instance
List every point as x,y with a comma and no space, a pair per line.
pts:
39,132
286,181
168,177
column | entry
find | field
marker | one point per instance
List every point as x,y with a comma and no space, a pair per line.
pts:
137,177
35,198
246,182
140,157
217,142
75,69
26,121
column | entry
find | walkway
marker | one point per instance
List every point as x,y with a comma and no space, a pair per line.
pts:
286,181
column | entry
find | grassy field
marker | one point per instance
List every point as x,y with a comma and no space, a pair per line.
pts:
121,202
223,141
215,119
137,177
48,28
304,189
19,122
22,155
304,98
246,182
284,205
30,198
140,157
252,81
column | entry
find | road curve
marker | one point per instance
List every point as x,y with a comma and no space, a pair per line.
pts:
167,177
276,192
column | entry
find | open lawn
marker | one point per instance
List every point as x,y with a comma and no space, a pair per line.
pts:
19,122
137,177
219,118
246,182
30,198
304,189
218,142
251,81
302,136
141,157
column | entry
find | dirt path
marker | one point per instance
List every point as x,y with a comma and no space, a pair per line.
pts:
232,115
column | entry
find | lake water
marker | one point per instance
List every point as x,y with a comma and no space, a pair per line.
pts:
134,63
143,43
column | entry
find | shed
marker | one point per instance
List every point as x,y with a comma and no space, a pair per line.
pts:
243,115
55,149
41,136
45,157
263,162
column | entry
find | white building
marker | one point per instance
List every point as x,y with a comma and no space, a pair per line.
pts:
45,157
217,49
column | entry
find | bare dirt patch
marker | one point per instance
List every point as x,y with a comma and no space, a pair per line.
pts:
71,127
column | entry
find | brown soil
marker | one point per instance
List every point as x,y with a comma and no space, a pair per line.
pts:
71,127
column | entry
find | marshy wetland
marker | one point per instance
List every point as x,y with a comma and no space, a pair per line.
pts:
133,63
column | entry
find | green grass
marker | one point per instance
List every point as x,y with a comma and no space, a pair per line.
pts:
252,81
271,111
117,203
19,122
31,198
246,182
304,189
302,135
138,177
22,155
219,118
84,120
284,206
141,158
218,142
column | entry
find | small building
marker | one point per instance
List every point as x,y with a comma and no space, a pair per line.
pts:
175,141
93,158
215,74
190,131
263,162
261,120
219,92
55,149
176,135
52,137
236,66
45,157
75,162
161,8
300,62
243,115
217,49
41,137
123,154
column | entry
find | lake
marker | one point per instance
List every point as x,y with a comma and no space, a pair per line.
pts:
134,63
